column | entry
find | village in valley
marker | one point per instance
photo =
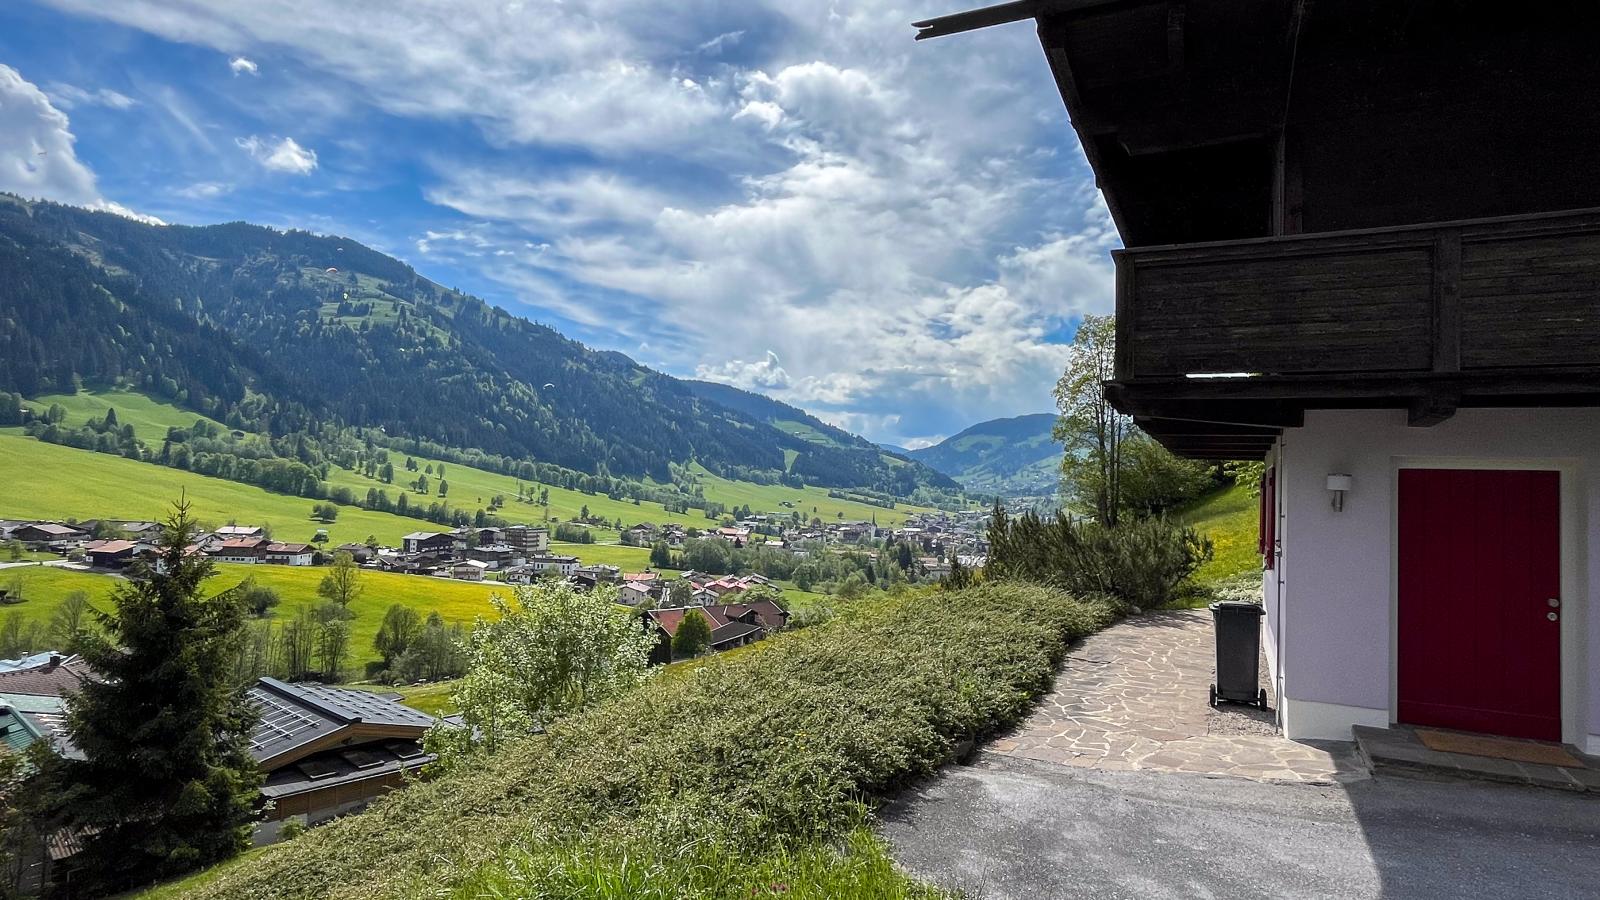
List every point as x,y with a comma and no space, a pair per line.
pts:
924,548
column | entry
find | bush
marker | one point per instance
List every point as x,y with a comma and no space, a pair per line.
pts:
1141,563
748,766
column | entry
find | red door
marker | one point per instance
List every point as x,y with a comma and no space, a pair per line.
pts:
1480,563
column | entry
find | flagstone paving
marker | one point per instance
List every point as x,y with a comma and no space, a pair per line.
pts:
1135,697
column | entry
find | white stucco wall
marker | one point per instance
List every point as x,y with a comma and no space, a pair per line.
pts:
1338,570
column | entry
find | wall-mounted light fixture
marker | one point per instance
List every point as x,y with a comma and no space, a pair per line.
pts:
1337,485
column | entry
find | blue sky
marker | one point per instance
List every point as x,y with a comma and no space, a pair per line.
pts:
792,197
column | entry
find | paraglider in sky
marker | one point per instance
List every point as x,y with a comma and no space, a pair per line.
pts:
548,386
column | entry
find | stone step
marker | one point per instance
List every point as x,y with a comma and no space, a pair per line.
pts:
1398,751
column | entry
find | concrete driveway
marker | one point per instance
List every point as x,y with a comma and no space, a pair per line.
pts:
1009,828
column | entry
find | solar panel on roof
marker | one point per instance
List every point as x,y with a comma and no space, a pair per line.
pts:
279,722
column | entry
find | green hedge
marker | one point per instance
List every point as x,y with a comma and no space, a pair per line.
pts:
732,776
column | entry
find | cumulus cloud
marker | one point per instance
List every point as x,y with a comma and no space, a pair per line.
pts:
37,153
241,66
279,154
763,374
906,226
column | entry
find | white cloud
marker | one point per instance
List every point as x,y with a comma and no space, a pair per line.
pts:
765,374
205,190
67,96
241,66
279,154
907,226
37,153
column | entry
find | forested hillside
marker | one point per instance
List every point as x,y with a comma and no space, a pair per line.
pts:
295,334
1013,457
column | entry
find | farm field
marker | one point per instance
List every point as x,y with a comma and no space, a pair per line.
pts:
44,587
51,481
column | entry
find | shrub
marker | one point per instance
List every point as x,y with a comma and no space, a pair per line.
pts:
748,766
1141,563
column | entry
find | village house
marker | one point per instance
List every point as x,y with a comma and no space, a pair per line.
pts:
600,573
117,554
142,531
288,554
244,550
732,625
328,751
561,565
43,535
469,570
526,540
1381,283
240,531
638,594
361,554
429,542
495,556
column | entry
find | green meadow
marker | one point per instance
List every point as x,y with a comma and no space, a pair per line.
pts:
1228,517
44,587
149,417
51,481
54,481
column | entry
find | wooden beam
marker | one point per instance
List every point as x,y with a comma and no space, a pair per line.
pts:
1447,301
1432,408
1067,85
1122,351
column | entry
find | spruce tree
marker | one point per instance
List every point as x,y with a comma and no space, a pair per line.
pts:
167,783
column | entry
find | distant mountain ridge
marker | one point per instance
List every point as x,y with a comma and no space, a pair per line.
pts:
1013,457
283,331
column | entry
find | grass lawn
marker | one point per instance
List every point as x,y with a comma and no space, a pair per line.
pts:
630,559
44,587
149,417
432,698
51,481
1229,518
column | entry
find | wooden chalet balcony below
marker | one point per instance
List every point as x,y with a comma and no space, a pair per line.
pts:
1246,335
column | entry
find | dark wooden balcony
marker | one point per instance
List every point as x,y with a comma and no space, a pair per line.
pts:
1250,333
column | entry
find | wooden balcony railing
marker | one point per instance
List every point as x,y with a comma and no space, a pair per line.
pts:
1519,293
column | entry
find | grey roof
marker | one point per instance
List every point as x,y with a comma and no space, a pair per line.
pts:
344,765
293,715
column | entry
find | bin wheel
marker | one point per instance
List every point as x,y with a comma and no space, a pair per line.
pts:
1262,699
1213,699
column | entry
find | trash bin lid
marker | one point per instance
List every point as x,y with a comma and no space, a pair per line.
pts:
1241,607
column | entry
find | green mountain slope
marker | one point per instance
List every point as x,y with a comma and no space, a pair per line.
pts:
284,333
818,450
1013,457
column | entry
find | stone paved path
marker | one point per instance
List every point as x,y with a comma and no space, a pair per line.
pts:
1135,697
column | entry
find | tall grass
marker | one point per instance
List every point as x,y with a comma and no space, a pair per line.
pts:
742,774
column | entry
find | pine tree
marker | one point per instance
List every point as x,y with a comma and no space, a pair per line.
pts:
167,783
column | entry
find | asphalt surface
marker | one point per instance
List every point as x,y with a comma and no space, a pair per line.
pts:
1013,829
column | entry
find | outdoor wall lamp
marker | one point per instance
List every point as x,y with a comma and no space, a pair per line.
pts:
1337,485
